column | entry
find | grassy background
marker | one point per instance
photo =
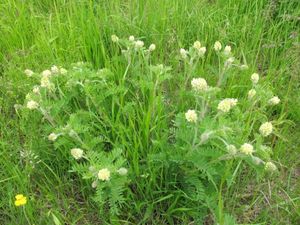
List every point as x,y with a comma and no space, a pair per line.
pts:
37,34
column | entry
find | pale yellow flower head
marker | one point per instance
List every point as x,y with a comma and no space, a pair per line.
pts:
183,53
191,116
197,45
152,47
46,73
28,72
36,90
227,50
94,184
52,137
32,105
217,46
251,93
139,44
104,174
274,101
247,149
77,153
54,69
254,78
202,51
266,129
270,167
63,71
114,38
131,38
199,84
226,104
45,82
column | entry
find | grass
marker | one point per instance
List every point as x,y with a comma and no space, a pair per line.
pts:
38,34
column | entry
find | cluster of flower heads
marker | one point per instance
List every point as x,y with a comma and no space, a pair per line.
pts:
197,50
136,44
275,100
103,174
45,82
199,85
227,104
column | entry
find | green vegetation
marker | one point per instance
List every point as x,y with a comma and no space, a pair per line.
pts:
106,136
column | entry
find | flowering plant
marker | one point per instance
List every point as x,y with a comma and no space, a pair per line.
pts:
112,121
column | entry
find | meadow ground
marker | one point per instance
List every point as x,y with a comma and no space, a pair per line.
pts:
38,34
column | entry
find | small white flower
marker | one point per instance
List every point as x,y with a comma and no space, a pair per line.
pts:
217,46
122,171
183,53
46,73
52,137
199,84
251,93
227,50
45,82
266,129
197,45
226,104
247,149
139,44
104,174
191,116
36,90
131,38
94,184
202,51
152,47
274,101
63,71
32,105
254,78
28,72
77,153
114,38
231,149
54,69
269,166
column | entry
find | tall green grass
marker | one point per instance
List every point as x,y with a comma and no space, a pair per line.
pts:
37,34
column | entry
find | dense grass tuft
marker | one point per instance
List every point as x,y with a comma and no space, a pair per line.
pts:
138,107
